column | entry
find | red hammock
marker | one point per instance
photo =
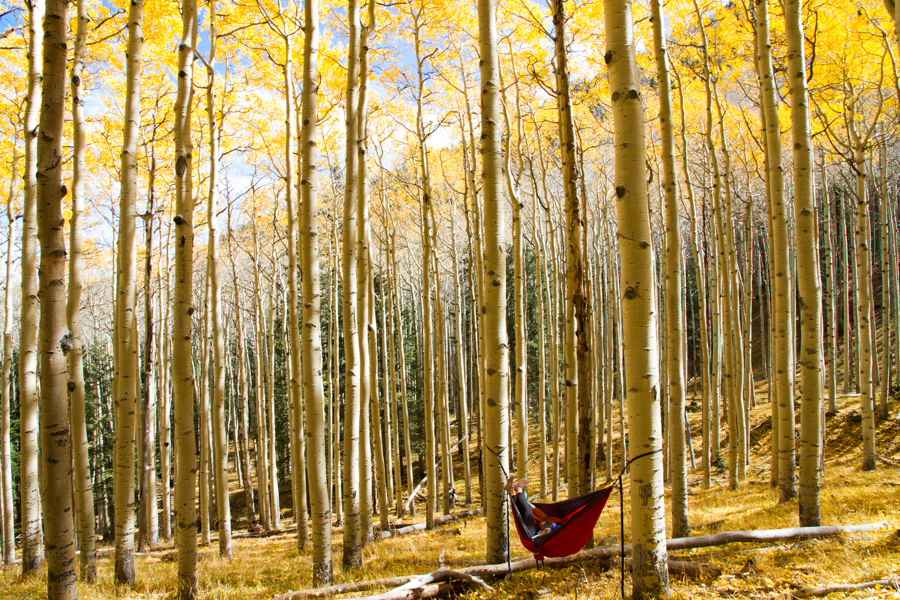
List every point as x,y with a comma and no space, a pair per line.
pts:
574,518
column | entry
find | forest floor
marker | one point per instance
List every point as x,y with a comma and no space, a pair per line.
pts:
264,567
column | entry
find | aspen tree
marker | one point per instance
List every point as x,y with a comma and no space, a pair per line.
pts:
262,453
388,303
864,312
274,494
182,374
367,351
573,240
461,364
677,457
512,188
29,492
441,399
352,558
648,528
203,411
496,348
147,511
783,354
886,269
699,268
164,412
54,339
84,499
828,280
402,360
808,285
319,504
427,238
6,489
220,436
242,376
125,398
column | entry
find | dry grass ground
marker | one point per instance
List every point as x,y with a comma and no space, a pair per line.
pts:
267,566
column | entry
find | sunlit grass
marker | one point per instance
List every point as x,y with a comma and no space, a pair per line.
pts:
267,566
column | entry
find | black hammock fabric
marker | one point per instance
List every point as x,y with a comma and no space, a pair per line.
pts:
574,518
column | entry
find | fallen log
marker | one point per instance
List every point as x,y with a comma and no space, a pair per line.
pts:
610,553
850,587
422,526
414,587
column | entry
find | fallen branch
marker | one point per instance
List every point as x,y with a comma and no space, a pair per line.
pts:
422,526
414,587
831,589
610,553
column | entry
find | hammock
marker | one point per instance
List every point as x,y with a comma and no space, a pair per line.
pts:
574,521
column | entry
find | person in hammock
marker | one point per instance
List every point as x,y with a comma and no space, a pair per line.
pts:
516,491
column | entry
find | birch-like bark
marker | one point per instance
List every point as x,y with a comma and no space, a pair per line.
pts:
648,526
427,319
219,433
54,339
352,558
808,284
782,357
314,394
493,308
84,498
125,398
29,491
6,489
677,455
182,373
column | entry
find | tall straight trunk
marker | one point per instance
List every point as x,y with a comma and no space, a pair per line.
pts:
219,433
203,413
336,504
701,300
573,241
367,416
493,308
296,367
84,498
886,269
541,265
830,296
378,439
389,325
164,412
783,354
6,489
274,494
262,454
648,526
243,377
29,491
461,366
54,339
521,378
352,558
864,298
126,361
809,288
149,527
427,235
441,398
675,369
404,404
182,374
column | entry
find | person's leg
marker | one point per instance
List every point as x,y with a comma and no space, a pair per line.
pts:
525,510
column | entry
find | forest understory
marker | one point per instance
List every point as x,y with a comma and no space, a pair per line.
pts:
266,566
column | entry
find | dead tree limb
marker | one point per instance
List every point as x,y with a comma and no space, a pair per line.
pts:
437,521
831,589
